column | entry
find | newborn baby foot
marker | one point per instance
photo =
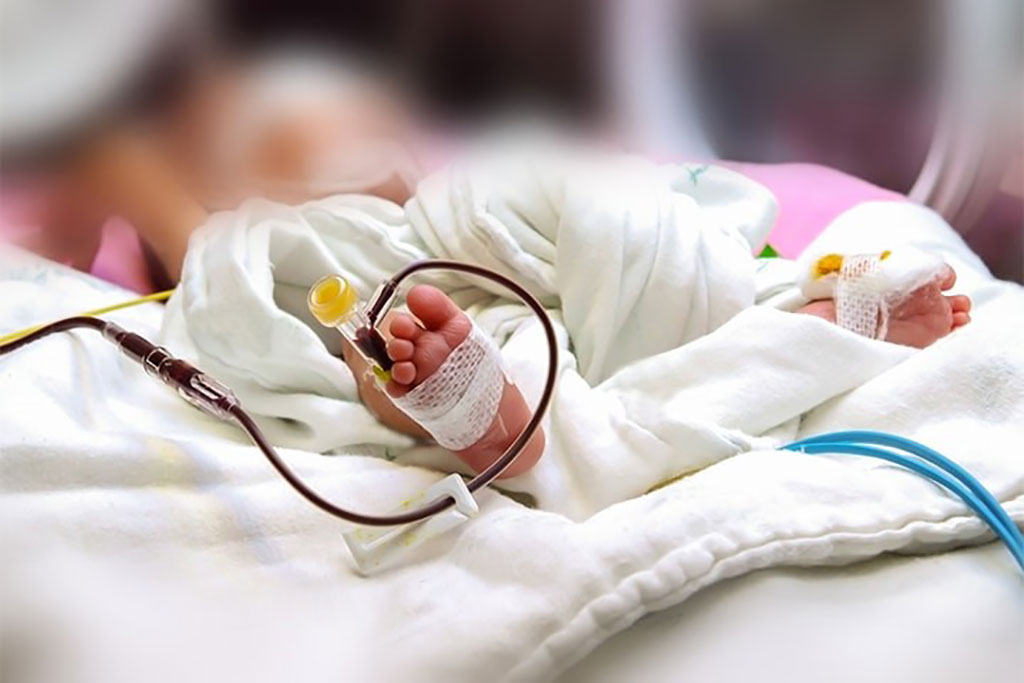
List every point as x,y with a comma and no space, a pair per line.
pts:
926,314
420,345
919,319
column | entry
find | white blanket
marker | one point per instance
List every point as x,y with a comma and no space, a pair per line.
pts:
151,509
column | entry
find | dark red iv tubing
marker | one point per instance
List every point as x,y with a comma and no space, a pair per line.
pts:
209,395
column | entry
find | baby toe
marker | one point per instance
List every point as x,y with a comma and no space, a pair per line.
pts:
403,372
400,349
404,327
432,306
947,277
961,318
960,303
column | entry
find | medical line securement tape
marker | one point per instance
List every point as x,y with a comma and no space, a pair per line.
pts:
860,297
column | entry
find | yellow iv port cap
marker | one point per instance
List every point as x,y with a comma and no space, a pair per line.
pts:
332,300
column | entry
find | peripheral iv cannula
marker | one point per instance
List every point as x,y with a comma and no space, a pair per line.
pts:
335,303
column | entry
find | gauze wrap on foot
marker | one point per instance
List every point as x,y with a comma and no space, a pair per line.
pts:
459,401
865,287
860,296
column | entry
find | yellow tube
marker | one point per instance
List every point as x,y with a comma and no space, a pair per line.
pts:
159,296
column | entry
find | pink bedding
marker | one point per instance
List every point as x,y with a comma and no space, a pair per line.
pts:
119,260
809,198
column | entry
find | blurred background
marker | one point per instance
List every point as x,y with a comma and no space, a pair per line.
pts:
920,97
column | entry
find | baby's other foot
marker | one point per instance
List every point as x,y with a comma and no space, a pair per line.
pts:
418,348
926,315
919,319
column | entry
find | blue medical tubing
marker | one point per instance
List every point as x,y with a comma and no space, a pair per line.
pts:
958,481
932,473
925,453
1013,536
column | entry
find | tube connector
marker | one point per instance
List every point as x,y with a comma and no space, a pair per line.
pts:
192,384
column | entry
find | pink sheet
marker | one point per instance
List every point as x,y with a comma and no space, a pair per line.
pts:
810,197
119,260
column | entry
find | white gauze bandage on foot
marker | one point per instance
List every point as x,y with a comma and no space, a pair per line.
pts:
860,296
865,287
459,401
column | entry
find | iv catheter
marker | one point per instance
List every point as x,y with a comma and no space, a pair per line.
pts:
214,398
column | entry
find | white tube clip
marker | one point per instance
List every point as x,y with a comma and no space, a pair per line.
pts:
373,547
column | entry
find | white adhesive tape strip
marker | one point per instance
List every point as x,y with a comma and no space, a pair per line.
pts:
458,403
860,296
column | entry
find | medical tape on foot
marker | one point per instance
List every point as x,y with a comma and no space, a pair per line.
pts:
459,401
866,287
860,296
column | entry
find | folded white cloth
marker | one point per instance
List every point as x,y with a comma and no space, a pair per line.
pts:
156,532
